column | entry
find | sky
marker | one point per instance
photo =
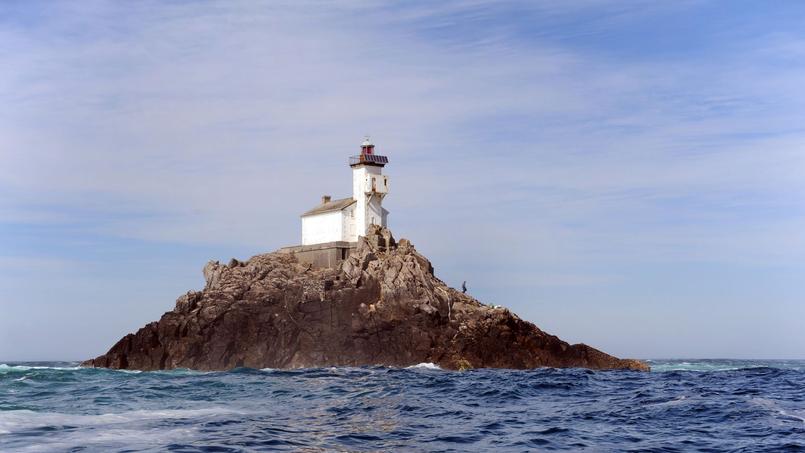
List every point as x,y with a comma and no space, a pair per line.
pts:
629,175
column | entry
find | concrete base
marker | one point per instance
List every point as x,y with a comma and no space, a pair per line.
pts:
326,255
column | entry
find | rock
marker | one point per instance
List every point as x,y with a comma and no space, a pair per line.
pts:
382,306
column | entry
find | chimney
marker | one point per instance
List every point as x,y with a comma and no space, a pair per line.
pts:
325,199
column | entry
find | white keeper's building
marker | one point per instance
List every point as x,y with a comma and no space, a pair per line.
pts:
346,219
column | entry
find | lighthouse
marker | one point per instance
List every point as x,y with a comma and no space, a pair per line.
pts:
369,187
344,220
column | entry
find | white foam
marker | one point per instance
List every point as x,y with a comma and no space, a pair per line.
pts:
425,366
16,420
790,415
102,432
774,406
13,368
5,367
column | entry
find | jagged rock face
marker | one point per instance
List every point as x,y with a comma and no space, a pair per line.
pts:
383,306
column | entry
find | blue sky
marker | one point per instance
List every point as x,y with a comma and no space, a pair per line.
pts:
630,175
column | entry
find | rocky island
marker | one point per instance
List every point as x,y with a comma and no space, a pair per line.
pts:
381,306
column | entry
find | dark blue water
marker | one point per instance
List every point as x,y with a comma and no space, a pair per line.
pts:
680,406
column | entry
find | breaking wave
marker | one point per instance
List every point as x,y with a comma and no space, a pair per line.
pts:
425,366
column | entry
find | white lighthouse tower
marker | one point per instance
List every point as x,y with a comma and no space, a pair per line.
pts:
334,222
369,187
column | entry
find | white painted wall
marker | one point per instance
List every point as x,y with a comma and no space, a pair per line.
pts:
359,174
320,228
374,210
369,187
349,227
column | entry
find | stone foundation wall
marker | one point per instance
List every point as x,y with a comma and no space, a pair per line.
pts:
327,255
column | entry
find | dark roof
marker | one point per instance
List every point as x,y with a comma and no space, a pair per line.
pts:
375,160
330,206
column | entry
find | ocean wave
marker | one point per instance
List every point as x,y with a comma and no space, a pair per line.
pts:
425,366
26,419
12,368
58,407
110,430
708,365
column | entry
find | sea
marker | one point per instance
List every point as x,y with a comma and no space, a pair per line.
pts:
681,405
